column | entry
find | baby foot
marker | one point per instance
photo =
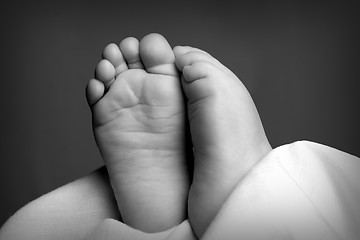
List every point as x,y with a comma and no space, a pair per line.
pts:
227,134
139,125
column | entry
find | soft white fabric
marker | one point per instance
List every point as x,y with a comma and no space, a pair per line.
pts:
302,190
299,191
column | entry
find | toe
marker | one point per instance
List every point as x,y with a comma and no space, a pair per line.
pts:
198,80
188,55
157,55
105,72
113,54
94,91
197,71
130,49
180,50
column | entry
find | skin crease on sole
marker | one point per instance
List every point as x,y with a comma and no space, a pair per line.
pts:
139,121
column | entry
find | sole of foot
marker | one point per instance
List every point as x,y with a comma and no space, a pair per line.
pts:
227,133
139,123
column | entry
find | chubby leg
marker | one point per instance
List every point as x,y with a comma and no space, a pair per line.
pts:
227,134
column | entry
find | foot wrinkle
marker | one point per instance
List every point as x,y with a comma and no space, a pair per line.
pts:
133,61
166,69
122,67
109,121
136,65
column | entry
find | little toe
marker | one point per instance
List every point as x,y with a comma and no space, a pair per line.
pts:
180,50
130,50
197,70
113,54
188,55
157,55
94,91
105,72
195,89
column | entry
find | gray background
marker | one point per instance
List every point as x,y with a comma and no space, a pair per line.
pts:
299,61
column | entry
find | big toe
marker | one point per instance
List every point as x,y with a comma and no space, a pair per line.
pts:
157,55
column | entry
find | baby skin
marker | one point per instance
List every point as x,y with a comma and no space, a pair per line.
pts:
139,119
139,123
227,134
